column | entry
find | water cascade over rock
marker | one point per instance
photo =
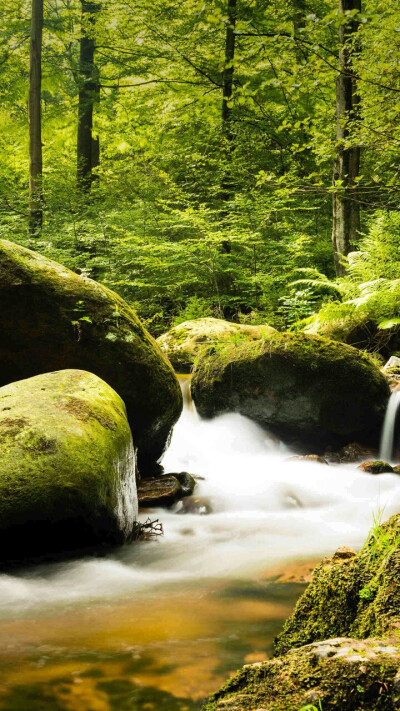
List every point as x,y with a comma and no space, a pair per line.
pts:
389,427
306,388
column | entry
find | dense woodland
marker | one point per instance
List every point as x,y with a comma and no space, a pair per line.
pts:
233,158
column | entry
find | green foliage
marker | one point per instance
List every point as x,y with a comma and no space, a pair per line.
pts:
159,226
370,294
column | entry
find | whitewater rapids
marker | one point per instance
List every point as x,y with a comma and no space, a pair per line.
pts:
265,511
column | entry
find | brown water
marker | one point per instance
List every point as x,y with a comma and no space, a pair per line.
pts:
165,652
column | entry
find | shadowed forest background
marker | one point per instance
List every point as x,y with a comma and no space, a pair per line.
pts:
192,152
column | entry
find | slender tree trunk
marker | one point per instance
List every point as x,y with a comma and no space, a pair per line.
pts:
227,188
227,74
87,145
35,121
299,18
346,207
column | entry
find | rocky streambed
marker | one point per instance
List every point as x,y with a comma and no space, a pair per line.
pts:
267,481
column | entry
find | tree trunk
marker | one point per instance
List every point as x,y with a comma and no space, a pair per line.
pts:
226,115
35,121
346,207
89,90
227,74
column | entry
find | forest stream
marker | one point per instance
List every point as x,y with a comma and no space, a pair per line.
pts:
162,624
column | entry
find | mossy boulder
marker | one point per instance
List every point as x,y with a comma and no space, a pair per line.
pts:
303,387
351,327
351,595
334,675
52,319
183,343
67,466
376,467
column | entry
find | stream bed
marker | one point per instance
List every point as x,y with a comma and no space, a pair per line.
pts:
160,625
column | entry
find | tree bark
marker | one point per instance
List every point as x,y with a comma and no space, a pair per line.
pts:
227,189
89,91
345,203
227,74
35,121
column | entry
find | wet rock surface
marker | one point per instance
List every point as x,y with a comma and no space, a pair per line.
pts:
199,505
351,453
377,467
163,491
351,595
186,480
308,388
336,674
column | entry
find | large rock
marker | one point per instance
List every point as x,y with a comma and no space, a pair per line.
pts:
351,595
304,387
334,675
53,319
340,650
183,343
67,466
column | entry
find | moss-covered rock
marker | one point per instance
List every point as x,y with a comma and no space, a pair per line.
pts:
53,319
183,343
352,327
67,466
334,675
351,595
376,467
304,387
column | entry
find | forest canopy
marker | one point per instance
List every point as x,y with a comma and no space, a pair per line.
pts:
199,157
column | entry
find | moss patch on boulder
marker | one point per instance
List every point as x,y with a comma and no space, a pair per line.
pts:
52,319
304,387
334,675
183,343
351,595
67,466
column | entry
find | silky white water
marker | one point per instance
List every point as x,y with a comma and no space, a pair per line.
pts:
389,426
265,510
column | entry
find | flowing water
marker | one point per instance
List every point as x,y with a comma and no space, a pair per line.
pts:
389,427
158,626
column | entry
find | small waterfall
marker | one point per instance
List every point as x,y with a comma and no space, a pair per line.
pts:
387,440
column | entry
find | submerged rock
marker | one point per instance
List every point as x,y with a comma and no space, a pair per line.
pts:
351,595
52,319
351,453
305,387
67,466
199,505
183,343
164,491
186,480
335,675
376,467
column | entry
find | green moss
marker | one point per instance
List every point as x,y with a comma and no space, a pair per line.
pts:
67,321
356,596
376,467
338,674
183,343
296,383
66,455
